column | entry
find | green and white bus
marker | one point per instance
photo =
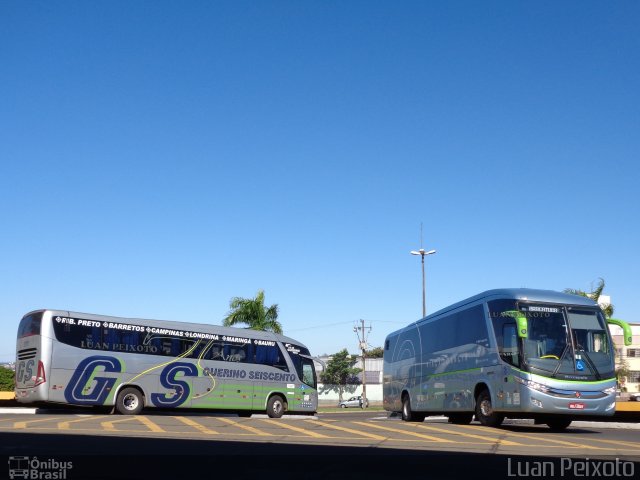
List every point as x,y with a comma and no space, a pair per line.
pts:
85,359
516,353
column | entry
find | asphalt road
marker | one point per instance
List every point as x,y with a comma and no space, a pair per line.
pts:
327,445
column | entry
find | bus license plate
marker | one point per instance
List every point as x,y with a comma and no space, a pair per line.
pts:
576,406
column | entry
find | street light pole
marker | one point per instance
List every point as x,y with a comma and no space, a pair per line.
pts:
422,253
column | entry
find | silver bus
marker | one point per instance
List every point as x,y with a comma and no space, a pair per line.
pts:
85,359
516,353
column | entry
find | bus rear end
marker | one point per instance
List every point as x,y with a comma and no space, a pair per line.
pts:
32,355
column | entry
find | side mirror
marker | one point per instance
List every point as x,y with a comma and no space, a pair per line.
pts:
521,322
626,330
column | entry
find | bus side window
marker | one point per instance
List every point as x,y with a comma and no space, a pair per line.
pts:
215,352
110,337
265,355
131,339
509,347
270,355
170,346
236,353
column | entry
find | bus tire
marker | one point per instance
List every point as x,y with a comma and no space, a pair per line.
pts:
409,415
276,406
130,401
559,424
484,410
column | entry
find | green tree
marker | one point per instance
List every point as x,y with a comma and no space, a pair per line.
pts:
252,312
376,352
340,375
594,294
7,380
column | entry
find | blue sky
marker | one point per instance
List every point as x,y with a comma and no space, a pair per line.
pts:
158,158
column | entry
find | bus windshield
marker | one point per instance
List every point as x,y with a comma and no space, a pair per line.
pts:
303,364
566,342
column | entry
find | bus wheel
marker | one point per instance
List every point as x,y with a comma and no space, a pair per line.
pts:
461,418
559,424
129,401
484,411
276,406
407,414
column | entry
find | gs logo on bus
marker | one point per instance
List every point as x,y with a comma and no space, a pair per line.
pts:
87,388
168,379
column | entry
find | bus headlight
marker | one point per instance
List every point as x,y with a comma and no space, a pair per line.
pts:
531,384
609,390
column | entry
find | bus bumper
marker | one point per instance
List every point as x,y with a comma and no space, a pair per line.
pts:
579,404
31,395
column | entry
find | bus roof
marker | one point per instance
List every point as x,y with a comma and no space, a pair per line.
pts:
169,324
531,294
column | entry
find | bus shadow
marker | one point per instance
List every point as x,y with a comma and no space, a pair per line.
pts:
116,457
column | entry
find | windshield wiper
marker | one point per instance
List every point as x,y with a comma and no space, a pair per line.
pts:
557,369
592,365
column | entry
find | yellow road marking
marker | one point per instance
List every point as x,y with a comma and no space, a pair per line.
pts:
65,425
154,427
617,442
255,431
348,430
108,426
196,425
470,435
10,419
406,432
536,438
283,424
24,424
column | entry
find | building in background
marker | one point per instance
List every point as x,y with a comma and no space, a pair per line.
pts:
629,355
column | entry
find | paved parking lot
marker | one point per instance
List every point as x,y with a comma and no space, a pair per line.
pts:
368,429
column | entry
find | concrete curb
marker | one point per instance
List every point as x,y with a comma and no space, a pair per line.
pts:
19,411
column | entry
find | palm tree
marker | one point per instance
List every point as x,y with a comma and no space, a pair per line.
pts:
595,293
253,312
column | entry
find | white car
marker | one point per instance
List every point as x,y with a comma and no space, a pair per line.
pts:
353,402
634,397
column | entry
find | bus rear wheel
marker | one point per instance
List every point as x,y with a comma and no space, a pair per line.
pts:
129,401
276,406
409,415
484,411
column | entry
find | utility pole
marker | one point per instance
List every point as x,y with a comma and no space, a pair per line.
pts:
361,333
